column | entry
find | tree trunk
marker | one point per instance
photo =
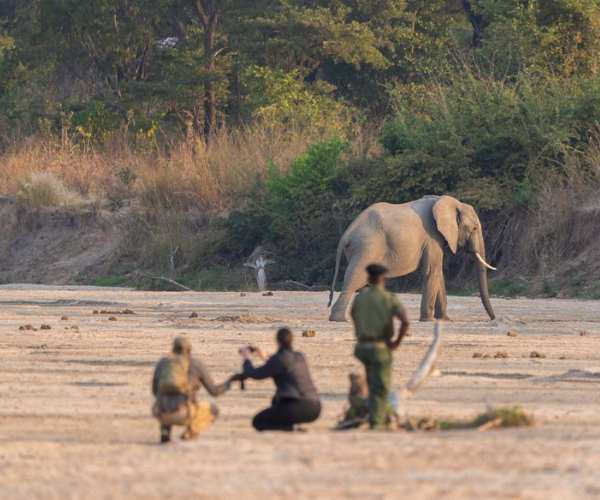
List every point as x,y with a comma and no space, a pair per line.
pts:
210,105
209,18
476,21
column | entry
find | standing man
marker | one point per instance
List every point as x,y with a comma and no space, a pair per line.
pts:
373,313
177,379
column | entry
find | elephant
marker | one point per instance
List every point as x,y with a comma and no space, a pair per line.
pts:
403,237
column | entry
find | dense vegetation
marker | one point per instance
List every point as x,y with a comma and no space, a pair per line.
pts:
234,123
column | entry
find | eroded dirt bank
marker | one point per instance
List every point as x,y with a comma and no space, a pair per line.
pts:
75,422
56,246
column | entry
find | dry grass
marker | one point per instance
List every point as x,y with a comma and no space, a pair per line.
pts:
178,174
493,418
44,189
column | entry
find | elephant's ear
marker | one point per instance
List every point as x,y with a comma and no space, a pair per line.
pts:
445,212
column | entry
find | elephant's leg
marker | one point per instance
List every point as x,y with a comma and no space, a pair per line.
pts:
354,278
441,302
433,281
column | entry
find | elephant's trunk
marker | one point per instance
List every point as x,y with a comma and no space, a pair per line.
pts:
482,267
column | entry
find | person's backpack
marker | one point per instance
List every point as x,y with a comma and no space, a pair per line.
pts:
174,375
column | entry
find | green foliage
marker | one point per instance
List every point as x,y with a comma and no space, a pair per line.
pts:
485,141
278,97
298,212
292,196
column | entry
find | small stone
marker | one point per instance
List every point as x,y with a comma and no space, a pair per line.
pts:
477,355
583,333
535,354
45,327
95,311
242,294
511,333
112,318
501,355
127,311
309,333
486,356
194,315
268,294
64,318
27,327
562,357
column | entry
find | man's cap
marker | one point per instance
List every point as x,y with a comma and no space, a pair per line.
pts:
182,345
376,270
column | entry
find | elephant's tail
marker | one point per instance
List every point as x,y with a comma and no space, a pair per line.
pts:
338,257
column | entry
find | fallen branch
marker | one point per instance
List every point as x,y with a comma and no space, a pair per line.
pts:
168,280
492,424
314,288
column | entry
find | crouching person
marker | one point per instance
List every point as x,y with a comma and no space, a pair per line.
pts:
177,379
296,400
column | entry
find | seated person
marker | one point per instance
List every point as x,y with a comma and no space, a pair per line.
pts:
177,379
296,400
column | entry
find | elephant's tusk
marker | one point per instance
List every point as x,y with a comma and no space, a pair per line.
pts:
481,259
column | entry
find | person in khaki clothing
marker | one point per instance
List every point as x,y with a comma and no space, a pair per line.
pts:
373,313
177,378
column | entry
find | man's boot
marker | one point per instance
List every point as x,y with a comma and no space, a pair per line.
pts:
165,433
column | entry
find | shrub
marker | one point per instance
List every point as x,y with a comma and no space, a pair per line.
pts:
488,142
44,189
298,212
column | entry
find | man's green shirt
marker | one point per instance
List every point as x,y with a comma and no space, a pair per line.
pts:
373,313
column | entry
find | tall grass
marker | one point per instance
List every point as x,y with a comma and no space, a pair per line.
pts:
177,174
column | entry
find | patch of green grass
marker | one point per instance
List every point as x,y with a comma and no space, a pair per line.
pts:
111,281
513,287
212,279
218,278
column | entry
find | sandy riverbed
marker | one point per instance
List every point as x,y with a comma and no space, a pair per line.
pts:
74,419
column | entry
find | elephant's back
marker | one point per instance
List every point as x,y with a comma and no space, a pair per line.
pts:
383,216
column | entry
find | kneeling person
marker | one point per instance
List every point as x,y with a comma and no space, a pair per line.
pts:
296,400
177,379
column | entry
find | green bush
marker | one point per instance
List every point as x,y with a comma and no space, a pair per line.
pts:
298,213
485,141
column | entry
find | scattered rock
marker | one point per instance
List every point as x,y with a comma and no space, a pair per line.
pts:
562,357
486,356
28,328
112,318
535,354
95,311
45,327
268,294
583,333
511,333
194,315
309,333
242,294
477,355
501,355
64,318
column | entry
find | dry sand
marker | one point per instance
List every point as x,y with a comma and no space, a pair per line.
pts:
75,415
